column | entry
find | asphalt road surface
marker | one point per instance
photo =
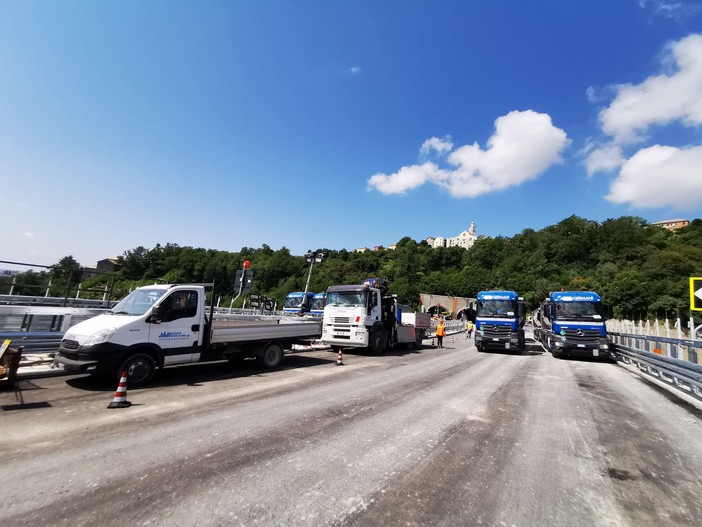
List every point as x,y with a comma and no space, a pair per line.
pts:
428,437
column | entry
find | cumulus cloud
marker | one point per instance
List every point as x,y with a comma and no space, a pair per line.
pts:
434,144
655,175
660,176
660,99
524,145
605,158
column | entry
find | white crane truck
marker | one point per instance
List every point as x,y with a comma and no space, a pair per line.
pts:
163,325
360,316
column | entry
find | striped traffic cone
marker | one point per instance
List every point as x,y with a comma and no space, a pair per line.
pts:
339,362
120,400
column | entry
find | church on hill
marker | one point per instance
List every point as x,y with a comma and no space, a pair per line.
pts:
465,239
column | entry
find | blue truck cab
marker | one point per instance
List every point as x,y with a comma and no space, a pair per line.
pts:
499,321
317,305
573,323
297,302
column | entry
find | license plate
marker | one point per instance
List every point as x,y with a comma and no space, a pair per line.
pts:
507,345
581,345
495,339
595,353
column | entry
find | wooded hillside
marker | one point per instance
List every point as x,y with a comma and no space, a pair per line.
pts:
639,269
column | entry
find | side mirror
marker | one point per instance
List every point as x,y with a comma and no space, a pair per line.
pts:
155,317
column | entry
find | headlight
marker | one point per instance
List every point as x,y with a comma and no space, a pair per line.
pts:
101,336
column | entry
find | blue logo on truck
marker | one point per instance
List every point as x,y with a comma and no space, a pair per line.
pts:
173,335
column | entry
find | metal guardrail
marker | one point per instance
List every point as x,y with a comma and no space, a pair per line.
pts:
670,362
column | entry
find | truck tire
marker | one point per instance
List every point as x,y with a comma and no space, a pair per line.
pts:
272,356
378,341
140,369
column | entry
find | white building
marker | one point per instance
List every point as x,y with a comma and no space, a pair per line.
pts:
465,239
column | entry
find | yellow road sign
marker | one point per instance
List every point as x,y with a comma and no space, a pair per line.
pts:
696,293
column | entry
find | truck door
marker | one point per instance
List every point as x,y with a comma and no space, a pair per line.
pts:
179,334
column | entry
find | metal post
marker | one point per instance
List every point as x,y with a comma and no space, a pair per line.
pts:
311,257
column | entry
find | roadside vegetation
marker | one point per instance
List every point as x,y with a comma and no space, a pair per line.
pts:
640,270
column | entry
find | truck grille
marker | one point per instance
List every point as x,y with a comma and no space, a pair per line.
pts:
69,344
582,336
495,330
341,320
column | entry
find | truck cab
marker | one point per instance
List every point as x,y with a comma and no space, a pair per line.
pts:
499,321
297,302
358,316
317,305
574,324
153,326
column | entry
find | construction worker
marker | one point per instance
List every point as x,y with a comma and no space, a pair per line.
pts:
440,332
469,329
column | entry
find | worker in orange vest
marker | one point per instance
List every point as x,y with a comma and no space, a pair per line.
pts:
440,332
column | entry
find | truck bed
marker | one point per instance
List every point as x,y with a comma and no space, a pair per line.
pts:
241,329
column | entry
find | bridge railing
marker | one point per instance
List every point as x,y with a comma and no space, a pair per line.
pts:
670,362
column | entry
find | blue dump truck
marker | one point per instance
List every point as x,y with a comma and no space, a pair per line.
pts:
572,323
499,321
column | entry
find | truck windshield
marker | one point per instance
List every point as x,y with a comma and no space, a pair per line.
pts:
578,310
347,298
496,308
137,302
293,301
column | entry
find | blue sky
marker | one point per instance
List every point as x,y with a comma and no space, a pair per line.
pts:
329,124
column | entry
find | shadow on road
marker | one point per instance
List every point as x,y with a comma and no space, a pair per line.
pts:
196,374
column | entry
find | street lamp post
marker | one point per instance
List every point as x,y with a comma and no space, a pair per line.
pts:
312,257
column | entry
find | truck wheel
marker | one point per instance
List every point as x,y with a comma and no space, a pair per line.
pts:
140,369
378,340
272,356
419,338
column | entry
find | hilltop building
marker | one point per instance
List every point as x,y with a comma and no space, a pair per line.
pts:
465,239
672,225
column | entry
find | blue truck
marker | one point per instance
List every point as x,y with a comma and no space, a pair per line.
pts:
317,305
572,323
297,302
499,321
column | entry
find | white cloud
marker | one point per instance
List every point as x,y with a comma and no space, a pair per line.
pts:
523,146
660,176
675,10
440,146
355,69
605,158
660,99
655,176
30,235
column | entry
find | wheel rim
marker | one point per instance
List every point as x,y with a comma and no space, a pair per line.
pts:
270,356
138,370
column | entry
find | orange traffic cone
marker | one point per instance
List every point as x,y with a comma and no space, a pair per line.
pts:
339,362
120,400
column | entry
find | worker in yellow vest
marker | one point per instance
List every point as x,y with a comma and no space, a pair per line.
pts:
440,332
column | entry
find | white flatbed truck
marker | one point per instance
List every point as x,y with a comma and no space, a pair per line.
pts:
164,325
